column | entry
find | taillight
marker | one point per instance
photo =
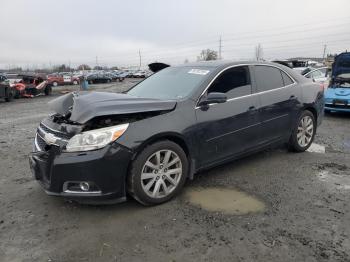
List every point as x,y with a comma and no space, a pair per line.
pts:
322,86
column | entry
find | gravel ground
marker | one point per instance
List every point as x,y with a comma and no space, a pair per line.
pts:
306,198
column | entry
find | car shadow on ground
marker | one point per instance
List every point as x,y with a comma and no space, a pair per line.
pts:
211,177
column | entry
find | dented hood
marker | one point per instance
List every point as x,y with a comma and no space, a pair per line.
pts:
84,106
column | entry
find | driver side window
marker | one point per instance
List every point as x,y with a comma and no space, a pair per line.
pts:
234,82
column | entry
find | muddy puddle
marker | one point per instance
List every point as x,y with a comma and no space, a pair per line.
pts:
229,201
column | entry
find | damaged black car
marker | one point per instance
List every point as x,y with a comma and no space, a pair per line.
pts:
101,147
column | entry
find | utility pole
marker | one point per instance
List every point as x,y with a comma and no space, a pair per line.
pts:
220,48
324,51
140,59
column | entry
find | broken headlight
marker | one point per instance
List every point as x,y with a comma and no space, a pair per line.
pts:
95,139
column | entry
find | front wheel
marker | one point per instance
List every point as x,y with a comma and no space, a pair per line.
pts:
10,95
303,133
158,173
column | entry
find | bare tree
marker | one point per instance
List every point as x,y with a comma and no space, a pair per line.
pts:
84,67
207,55
259,53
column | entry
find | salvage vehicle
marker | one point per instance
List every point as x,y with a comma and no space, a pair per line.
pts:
337,95
318,75
6,90
181,120
62,79
31,86
98,78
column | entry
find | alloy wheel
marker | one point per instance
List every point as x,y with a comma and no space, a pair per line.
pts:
305,131
161,173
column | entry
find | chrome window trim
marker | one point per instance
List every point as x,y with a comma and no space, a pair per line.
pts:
253,94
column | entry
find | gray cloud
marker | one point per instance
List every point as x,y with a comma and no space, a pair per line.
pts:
62,31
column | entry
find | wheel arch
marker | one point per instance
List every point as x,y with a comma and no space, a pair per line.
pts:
313,111
171,136
177,139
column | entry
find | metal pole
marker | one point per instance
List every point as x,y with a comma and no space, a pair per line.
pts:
140,59
220,48
324,51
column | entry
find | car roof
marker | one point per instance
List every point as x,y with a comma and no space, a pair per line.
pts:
225,63
220,65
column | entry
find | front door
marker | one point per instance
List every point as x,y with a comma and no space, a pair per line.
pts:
228,128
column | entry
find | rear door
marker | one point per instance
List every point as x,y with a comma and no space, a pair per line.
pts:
228,128
278,95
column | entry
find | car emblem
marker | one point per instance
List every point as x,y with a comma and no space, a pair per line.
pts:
50,138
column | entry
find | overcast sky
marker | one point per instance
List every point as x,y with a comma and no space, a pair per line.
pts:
38,33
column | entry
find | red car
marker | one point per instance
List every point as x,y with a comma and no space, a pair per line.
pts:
31,86
57,79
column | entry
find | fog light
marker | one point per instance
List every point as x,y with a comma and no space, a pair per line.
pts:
84,186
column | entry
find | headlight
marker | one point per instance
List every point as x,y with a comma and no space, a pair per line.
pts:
95,139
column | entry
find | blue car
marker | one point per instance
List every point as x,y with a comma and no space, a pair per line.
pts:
337,96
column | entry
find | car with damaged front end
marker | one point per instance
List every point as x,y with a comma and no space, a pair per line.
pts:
337,95
101,147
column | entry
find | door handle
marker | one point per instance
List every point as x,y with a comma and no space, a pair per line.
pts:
251,108
292,97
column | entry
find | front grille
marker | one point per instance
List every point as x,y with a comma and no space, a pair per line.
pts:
40,142
54,132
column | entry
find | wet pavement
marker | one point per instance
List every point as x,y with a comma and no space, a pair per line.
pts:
271,206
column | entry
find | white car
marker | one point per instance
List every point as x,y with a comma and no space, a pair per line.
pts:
319,75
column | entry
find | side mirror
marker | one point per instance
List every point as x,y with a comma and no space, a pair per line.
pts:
213,98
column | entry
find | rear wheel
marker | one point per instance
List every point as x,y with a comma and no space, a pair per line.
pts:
75,82
48,90
303,133
54,83
158,173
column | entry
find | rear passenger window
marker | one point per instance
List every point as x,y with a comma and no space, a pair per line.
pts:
234,82
268,78
286,79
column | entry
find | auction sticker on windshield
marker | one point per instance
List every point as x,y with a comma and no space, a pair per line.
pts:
198,72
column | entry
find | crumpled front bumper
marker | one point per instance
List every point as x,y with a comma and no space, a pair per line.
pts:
106,168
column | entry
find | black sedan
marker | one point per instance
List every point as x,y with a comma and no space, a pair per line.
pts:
183,119
98,78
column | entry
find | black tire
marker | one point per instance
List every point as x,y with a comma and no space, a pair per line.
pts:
54,83
48,90
17,94
293,144
134,177
75,82
9,95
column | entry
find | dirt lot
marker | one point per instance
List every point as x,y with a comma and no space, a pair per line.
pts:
306,214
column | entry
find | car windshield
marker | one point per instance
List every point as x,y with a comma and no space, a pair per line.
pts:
171,83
